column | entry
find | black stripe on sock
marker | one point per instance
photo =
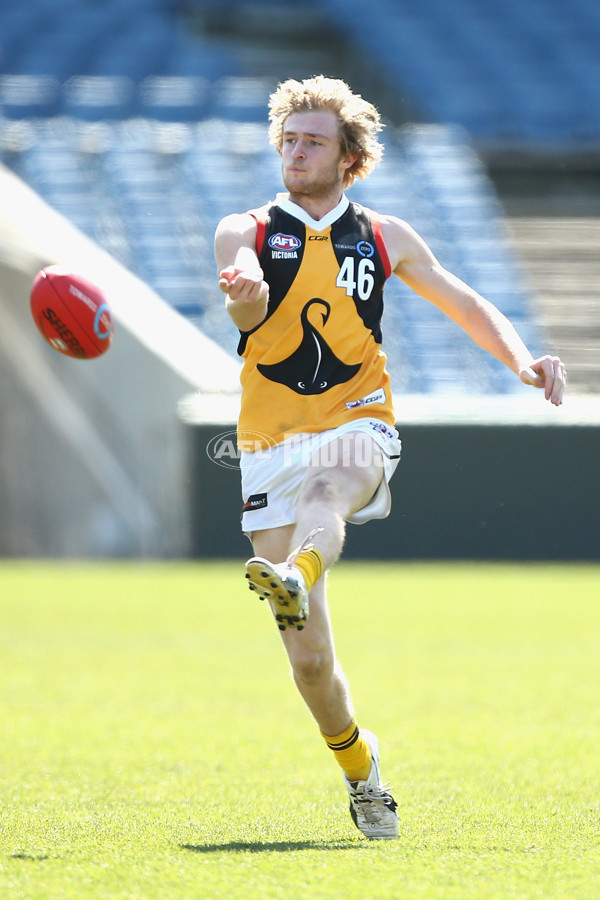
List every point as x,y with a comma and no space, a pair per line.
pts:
344,745
317,556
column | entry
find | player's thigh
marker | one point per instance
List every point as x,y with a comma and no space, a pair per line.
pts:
347,471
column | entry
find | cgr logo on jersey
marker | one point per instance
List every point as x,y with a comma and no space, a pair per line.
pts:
284,246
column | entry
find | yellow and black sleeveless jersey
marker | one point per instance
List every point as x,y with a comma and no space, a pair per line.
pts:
315,362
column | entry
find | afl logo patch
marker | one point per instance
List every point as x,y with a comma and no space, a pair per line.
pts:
365,249
284,242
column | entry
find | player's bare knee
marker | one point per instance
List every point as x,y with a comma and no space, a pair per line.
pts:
310,668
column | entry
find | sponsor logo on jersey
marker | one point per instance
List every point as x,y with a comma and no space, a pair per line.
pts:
376,397
365,248
284,246
318,237
382,428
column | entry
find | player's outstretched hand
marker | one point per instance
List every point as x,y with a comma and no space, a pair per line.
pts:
549,373
242,286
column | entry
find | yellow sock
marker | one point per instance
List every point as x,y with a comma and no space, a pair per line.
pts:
310,562
351,751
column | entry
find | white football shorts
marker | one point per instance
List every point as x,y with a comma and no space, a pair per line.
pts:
272,478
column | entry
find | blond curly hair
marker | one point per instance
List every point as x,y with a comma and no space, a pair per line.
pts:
359,120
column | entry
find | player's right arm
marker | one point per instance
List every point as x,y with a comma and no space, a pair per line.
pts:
240,275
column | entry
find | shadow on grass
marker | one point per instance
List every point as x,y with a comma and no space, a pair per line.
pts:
268,847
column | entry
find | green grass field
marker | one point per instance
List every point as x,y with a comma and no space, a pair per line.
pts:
153,746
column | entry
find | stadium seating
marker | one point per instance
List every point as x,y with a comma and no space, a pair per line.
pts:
525,71
128,38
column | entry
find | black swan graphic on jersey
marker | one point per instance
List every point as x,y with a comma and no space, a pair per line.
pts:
313,367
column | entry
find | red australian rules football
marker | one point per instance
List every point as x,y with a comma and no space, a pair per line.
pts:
71,313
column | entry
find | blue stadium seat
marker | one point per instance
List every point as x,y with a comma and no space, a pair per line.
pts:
174,98
202,59
98,97
242,99
134,52
28,96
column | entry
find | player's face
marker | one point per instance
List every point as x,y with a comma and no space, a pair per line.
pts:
312,164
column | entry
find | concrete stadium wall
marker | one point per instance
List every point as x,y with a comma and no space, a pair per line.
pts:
488,492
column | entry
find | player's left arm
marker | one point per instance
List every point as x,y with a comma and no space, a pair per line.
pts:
413,261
